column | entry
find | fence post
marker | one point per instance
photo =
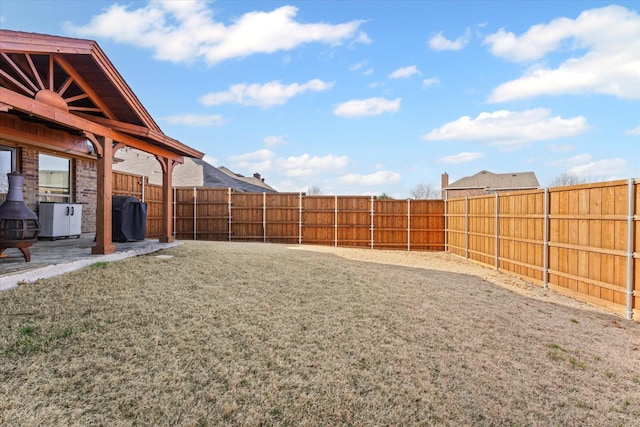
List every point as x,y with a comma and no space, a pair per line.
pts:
497,225
466,227
545,245
142,191
174,212
408,225
229,214
300,219
264,216
195,214
371,227
630,221
446,224
335,223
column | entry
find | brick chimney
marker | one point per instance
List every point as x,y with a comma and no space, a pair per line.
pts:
444,182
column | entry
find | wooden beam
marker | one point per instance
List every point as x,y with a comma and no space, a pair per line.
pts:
17,83
34,71
11,128
166,229
17,41
51,85
104,243
83,85
65,86
47,112
19,71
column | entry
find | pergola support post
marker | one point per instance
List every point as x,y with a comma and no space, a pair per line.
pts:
104,243
166,232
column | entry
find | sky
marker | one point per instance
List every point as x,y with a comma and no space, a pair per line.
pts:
373,97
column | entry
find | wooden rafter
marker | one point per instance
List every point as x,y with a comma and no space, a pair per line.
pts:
19,71
51,85
17,83
34,70
83,85
76,98
47,112
93,109
65,86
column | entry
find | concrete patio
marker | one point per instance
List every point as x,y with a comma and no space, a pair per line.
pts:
50,258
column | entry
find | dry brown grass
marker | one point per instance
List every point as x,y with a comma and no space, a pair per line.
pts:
259,334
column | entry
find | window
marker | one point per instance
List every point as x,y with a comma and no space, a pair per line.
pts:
7,165
54,174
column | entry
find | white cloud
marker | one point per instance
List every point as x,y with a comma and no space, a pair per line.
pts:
264,96
357,66
195,120
509,128
605,168
307,165
561,148
376,178
210,159
463,157
260,160
181,31
439,42
431,81
361,66
634,131
301,166
610,66
272,141
404,72
571,161
367,107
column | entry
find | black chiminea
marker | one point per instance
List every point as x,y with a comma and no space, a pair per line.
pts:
19,225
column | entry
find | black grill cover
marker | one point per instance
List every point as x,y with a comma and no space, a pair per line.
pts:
128,219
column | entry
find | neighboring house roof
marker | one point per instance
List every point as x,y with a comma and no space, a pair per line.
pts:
496,181
192,173
217,177
254,180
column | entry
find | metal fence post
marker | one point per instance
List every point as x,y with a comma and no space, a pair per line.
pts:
142,191
466,228
264,217
545,245
195,214
497,226
371,221
335,223
446,224
408,225
229,215
300,219
630,223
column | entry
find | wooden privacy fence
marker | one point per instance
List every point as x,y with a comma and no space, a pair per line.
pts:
582,241
215,214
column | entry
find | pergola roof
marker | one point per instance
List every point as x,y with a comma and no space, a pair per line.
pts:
74,75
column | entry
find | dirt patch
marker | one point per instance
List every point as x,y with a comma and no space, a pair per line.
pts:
260,334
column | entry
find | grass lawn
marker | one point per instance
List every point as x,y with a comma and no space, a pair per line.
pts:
259,334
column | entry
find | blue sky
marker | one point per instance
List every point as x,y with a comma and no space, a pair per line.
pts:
372,97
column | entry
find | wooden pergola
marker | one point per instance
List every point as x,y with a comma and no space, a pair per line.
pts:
62,94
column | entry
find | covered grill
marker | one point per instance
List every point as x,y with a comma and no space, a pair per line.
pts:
128,219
